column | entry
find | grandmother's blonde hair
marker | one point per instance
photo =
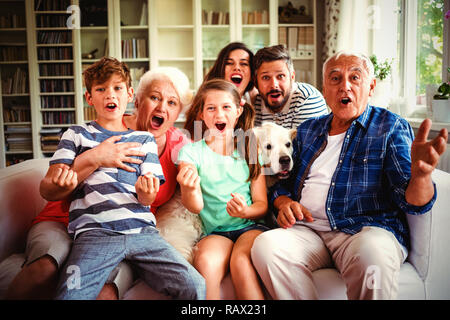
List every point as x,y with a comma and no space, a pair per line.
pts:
178,79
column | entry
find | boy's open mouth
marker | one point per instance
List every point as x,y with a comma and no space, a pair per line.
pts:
111,106
157,122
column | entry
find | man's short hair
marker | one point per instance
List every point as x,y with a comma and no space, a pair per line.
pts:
366,61
273,53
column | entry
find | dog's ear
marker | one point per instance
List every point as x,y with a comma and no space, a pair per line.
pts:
292,133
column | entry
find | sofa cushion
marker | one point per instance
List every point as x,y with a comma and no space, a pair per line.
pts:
9,268
331,286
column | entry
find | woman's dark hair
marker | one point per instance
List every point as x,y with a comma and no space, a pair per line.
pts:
218,69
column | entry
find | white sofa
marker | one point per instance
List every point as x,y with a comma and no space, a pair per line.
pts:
425,275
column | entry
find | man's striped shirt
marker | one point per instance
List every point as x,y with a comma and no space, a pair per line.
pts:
305,102
107,199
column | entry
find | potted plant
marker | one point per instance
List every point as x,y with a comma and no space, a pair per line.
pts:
441,102
383,90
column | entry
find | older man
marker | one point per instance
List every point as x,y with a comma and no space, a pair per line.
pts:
280,99
358,172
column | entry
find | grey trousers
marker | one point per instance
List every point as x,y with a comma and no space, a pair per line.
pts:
368,261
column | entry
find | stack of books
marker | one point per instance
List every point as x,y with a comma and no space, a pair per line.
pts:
18,138
50,138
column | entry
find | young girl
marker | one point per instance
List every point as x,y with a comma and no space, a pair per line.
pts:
222,181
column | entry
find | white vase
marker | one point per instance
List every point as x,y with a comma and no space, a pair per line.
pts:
382,94
441,110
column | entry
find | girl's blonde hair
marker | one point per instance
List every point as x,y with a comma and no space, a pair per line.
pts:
243,128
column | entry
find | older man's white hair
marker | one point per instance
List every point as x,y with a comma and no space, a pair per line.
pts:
366,61
178,79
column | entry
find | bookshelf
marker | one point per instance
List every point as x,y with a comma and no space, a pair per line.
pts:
298,33
43,59
15,112
55,50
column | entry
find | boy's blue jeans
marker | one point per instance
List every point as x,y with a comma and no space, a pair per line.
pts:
96,253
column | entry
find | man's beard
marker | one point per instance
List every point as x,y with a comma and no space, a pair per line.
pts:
277,106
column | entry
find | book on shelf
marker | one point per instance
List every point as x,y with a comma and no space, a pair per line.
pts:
61,85
134,48
50,138
51,5
12,20
16,84
292,41
13,53
63,101
51,20
54,37
298,40
143,20
282,36
18,138
309,41
106,48
18,129
64,53
18,141
255,17
215,17
55,69
58,117
89,113
16,113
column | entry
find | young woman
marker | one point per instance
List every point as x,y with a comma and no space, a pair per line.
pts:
221,180
233,64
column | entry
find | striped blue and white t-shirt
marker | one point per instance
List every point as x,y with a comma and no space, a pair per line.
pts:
107,199
305,102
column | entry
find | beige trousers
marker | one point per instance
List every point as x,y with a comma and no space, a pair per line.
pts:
368,261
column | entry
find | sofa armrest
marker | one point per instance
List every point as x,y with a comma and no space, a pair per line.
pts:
20,202
430,238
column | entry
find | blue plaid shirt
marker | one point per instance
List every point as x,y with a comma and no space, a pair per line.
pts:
373,172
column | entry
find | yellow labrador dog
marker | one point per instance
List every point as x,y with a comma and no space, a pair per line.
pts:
275,146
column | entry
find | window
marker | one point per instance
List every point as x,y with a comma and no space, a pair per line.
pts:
423,45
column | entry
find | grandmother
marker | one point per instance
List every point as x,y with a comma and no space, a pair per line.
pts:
161,96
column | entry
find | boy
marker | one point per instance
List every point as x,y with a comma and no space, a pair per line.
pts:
109,215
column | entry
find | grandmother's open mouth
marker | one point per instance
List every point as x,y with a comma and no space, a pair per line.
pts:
157,122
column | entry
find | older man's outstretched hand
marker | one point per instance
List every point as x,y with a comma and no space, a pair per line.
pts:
425,156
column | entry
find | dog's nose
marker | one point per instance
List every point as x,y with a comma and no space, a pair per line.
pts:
285,160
